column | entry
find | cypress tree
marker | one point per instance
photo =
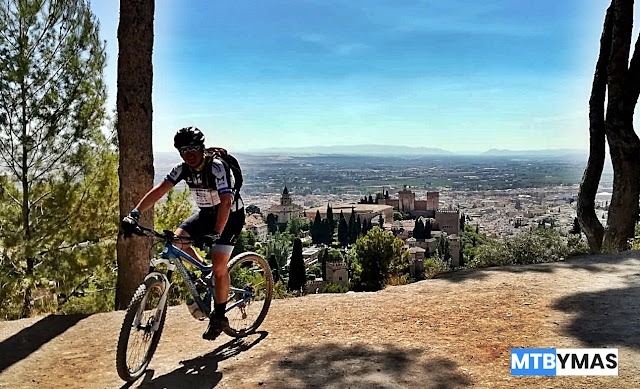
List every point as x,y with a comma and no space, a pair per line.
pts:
297,272
275,269
324,257
332,223
352,228
427,230
317,229
343,230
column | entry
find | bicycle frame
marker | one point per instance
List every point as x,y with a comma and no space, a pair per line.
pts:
172,257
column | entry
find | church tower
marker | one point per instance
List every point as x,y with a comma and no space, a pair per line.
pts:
285,199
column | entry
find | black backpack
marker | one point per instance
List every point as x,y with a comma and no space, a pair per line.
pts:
232,162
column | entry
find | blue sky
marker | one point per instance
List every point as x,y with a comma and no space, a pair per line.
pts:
460,75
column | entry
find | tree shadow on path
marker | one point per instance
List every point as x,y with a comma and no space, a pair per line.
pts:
605,318
202,372
30,339
362,366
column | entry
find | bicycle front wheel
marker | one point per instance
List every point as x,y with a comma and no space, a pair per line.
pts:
250,295
140,331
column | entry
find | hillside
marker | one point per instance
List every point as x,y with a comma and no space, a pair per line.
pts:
454,331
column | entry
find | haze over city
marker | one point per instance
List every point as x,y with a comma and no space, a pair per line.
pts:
462,76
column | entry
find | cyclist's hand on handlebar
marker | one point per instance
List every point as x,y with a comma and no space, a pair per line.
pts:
130,223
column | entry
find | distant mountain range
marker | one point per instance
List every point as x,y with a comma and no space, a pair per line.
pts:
353,150
391,151
547,152
382,150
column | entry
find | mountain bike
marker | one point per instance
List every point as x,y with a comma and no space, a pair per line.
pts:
249,299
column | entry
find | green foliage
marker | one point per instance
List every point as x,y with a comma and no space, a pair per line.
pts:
343,230
272,223
635,243
297,273
75,246
278,246
314,272
173,210
374,258
296,225
56,170
470,240
577,245
537,246
335,288
275,269
335,255
246,242
434,266
444,251
280,290
251,209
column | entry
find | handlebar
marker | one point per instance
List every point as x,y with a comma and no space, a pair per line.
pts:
166,235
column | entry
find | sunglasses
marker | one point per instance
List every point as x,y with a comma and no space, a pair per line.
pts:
189,149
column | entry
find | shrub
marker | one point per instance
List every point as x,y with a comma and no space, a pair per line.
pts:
434,266
537,246
335,288
280,290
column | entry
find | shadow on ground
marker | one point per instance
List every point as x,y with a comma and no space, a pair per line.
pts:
593,263
362,366
201,372
606,318
30,339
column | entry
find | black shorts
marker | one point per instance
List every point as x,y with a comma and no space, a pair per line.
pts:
203,223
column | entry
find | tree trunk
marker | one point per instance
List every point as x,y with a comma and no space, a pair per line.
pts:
624,144
135,79
589,222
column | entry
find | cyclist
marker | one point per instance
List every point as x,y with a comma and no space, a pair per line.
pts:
217,223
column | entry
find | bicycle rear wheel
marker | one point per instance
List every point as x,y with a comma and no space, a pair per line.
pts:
138,340
251,278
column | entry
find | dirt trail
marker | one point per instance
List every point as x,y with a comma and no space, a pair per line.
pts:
454,331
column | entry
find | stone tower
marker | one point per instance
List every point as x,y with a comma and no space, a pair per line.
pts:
433,198
285,199
407,199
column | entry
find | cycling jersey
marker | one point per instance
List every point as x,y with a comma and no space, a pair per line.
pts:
208,184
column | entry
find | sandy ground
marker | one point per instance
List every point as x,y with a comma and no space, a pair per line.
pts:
454,331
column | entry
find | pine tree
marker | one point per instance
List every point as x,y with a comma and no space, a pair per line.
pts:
135,111
52,94
373,256
297,272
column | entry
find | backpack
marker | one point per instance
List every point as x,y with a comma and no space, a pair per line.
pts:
232,162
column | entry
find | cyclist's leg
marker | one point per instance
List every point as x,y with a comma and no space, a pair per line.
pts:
221,254
186,247
192,227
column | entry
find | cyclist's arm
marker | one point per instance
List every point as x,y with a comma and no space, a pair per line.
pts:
223,212
154,195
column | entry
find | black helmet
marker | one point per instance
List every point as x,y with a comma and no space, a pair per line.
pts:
188,136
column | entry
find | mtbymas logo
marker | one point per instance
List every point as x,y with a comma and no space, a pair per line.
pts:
551,361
